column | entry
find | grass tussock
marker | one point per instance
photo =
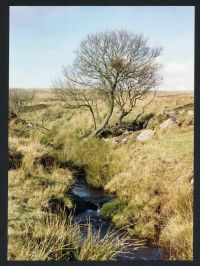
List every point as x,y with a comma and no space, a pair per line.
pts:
46,239
99,248
94,155
50,239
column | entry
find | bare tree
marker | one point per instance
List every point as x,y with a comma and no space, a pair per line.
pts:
19,99
110,62
137,87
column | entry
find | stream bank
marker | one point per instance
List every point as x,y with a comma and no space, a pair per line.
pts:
88,201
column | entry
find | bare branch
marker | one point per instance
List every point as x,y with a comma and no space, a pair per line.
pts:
116,66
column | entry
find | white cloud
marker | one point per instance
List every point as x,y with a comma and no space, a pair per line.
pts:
178,76
175,68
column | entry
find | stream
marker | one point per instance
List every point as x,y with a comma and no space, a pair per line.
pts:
93,199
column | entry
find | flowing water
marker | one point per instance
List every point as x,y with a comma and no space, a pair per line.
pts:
95,198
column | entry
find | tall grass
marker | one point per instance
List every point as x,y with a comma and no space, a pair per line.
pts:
46,239
112,244
53,239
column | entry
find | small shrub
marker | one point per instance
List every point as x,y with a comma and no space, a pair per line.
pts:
19,99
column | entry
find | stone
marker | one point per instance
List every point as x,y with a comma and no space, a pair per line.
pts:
168,123
121,139
145,135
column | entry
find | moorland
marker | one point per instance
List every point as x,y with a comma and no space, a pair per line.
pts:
147,167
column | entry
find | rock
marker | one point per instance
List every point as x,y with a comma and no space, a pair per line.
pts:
125,128
121,139
190,112
168,123
145,135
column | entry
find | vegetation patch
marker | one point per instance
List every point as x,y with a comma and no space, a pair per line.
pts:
109,209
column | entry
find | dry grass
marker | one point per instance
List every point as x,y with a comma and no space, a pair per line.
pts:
99,248
50,238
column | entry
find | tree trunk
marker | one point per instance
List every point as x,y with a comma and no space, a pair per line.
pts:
106,119
93,117
122,115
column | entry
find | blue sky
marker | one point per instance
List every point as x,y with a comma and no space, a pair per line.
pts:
42,40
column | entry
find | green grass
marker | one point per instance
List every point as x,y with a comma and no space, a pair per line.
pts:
110,208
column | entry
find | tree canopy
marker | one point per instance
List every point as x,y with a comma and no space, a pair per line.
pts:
118,65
